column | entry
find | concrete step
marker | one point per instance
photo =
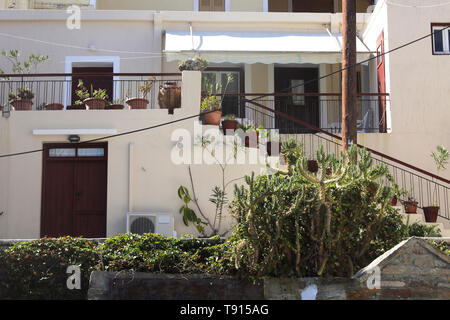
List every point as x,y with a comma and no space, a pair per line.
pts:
413,217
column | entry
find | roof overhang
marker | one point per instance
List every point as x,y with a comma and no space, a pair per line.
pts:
257,47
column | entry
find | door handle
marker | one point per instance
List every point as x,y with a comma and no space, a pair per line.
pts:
78,195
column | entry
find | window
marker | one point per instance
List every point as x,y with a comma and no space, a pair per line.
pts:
441,39
211,5
298,87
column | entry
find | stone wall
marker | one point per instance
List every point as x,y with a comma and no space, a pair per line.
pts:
414,269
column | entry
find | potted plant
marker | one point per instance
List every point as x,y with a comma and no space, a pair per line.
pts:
251,136
410,205
21,101
441,160
93,99
79,105
169,96
116,104
53,106
211,105
229,123
194,64
211,109
144,89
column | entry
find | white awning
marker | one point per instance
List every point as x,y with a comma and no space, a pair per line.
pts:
256,47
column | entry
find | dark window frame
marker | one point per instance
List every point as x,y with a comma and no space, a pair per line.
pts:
434,25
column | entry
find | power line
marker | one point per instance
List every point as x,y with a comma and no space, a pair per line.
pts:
351,66
112,136
197,115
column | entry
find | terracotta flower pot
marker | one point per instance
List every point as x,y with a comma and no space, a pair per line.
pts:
431,213
313,166
252,139
95,103
277,148
169,96
54,106
328,172
394,201
411,206
137,103
77,107
115,107
213,118
22,104
229,125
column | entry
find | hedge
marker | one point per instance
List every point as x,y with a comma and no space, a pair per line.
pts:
37,269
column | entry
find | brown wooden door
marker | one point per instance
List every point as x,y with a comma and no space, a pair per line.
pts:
305,108
74,190
381,75
97,82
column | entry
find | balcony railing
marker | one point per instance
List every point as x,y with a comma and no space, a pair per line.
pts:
62,88
320,110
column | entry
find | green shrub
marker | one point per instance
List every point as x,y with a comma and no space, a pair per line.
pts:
37,269
329,223
158,254
421,230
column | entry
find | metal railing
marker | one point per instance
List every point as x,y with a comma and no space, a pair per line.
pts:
425,187
62,88
322,110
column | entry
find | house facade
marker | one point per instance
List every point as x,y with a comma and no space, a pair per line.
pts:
283,55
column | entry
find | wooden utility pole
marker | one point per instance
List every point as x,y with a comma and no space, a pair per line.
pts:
349,78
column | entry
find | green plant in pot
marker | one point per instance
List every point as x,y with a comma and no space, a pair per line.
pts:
92,99
440,158
22,100
229,123
144,89
211,106
194,64
410,205
251,137
116,104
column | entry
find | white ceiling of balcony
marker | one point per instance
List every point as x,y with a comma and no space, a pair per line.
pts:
255,47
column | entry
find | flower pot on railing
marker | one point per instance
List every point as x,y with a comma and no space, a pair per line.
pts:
54,106
431,213
137,103
95,103
410,206
169,96
21,104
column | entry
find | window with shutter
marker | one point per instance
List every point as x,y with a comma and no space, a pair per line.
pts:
205,5
212,5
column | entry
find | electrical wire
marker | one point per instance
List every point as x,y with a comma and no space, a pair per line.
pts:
197,115
351,66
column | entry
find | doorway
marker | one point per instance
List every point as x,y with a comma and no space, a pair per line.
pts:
99,81
74,190
302,107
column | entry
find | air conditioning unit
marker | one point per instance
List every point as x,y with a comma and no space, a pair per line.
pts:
142,222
